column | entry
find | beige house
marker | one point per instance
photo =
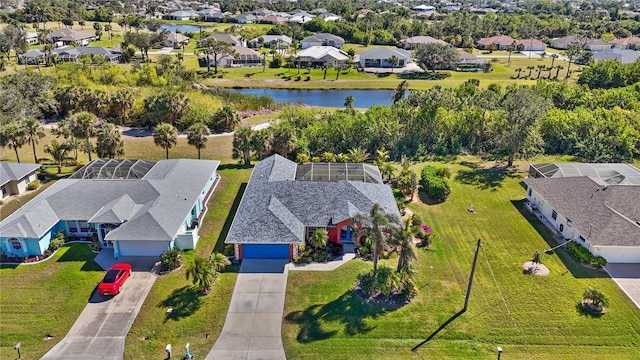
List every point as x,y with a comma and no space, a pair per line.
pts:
14,177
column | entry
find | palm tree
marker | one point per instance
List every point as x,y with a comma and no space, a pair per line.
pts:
374,226
82,125
349,100
530,68
202,274
598,298
33,132
400,91
219,261
58,153
197,136
393,61
319,238
518,71
558,68
407,253
109,143
108,28
540,68
357,155
122,102
165,135
11,135
242,145
171,258
413,183
553,58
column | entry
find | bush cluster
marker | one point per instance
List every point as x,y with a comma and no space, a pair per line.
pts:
33,185
584,256
434,183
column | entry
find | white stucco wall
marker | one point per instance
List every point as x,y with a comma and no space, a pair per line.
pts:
617,254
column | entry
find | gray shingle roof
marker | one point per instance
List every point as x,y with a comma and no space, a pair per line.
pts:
15,171
321,37
151,208
275,208
385,53
613,212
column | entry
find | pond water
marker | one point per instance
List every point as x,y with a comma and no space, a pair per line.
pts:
326,98
182,28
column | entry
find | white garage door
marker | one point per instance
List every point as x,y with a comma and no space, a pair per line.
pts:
142,248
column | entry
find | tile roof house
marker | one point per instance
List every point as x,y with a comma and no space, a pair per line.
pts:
590,205
322,39
272,19
379,57
502,42
14,177
284,203
632,42
136,207
625,56
532,45
318,55
415,41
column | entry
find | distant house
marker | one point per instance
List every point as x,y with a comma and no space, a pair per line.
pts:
263,12
243,57
319,55
174,39
595,205
564,42
285,203
502,42
183,15
272,19
625,56
299,19
271,41
231,39
424,8
330,17
135,207
211,15
31,37
14,177
470,62
596,45
532,45
632,42
69,37
415,41
322,39
244,19
379,57
70,54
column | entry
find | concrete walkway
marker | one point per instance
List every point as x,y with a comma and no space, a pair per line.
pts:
253,327
627,276
100,330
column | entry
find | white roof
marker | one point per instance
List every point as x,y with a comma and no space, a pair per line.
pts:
610,173
318,52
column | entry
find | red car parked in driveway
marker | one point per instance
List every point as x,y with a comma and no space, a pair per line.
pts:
114,279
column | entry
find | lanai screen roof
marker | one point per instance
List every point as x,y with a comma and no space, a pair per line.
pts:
338,171
110,169
613,174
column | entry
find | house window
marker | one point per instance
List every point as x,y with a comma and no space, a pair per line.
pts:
15,243
554,215
561,227
529,192
311,230
84,226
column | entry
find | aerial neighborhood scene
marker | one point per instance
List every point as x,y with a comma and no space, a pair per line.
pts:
319,179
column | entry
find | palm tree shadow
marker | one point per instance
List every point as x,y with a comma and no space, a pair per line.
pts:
183,301
348,309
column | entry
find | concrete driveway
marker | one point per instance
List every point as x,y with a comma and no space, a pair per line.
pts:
627,276
100,330
252,329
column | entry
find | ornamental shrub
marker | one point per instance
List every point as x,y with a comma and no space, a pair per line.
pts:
33,185
433,182
583,255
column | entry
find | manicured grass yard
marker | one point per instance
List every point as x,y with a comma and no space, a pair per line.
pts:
44,299
536,320
195,319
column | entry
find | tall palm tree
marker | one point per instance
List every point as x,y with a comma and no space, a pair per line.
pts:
357,155
374,226
393,61
349,100
530,68
165,135
83,126
11,135
33,132
58,153
407,253
202,274
122,102
109,143
197,136
242,144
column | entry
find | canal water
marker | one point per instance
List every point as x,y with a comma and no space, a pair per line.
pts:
319,97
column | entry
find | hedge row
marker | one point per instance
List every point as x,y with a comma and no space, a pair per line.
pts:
433,182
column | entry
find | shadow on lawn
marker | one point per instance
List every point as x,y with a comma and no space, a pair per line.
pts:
348,309
80,253
219,247
574,267
486,178
184,301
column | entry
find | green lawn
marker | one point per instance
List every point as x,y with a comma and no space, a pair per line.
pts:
195,319
44,299
323,319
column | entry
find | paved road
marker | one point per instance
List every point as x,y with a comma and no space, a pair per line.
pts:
252,329
100,330
627,276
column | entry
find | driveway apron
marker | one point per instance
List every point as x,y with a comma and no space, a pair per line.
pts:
252,329
627,276
100,330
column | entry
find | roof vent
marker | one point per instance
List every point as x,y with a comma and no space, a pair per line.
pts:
604,187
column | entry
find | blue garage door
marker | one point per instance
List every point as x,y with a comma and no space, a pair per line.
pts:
275,251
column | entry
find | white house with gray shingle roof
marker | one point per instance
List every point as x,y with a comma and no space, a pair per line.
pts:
595,205
322,39
379,57
284,203
136,207
14,177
